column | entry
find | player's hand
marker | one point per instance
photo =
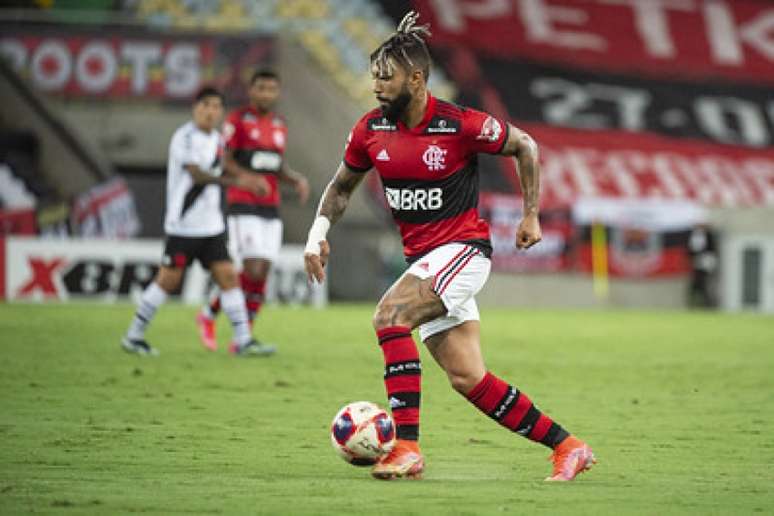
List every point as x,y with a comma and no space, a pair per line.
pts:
302,190
314,264
255,183
529,232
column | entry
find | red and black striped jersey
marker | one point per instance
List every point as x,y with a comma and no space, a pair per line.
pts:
429,172
257,142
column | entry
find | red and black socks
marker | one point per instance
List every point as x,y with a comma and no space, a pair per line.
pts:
255,291
402,379
514,410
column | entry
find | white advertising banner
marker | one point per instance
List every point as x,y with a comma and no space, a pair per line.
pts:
110,270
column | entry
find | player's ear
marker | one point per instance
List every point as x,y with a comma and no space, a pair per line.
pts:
415,78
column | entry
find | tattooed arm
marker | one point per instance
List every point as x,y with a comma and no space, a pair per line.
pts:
524,150
333,203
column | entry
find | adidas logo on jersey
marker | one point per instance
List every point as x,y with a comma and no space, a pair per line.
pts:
383,156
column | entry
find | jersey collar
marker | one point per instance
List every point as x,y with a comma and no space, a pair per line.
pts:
429,112
257,113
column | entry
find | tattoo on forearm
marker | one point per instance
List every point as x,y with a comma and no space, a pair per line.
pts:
529,173
336,196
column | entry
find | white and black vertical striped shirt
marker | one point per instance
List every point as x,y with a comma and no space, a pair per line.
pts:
193,210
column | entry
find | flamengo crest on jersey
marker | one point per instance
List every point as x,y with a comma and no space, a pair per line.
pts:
434,157
429,172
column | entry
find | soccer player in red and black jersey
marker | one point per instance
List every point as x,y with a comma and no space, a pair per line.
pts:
425,150
255,143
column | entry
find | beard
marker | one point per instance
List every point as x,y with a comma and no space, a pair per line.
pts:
393,109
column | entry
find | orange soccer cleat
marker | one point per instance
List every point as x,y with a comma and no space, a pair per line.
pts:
404,461
570,458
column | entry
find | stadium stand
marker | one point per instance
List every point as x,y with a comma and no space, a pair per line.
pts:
338,34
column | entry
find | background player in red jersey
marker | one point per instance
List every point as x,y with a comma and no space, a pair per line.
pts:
425,150
255,143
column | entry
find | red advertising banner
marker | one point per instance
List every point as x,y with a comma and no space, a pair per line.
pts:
132,64
579,164
637,253
644,238
681,38
17,221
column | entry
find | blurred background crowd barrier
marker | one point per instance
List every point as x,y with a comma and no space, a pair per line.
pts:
655,122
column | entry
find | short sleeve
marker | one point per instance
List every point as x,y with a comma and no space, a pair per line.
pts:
483,132
232,131
183,150
356,156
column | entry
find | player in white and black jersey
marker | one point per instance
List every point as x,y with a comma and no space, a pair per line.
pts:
195,227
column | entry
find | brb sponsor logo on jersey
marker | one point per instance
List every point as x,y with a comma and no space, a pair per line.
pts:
413,199
262,160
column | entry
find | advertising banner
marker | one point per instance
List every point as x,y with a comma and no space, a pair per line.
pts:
731,39
715,111
578,164
39,269
644,238
136,63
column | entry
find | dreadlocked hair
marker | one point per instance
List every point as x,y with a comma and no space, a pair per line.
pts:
406,46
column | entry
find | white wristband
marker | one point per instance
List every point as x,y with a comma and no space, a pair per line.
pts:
317,232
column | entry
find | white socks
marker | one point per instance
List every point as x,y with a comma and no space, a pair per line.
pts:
232,302
153,297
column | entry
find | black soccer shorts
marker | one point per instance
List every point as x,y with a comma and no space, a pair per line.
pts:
180,251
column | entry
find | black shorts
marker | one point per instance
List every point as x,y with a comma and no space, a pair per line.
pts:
180,252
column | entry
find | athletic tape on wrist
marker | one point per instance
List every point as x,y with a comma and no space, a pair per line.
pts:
317,232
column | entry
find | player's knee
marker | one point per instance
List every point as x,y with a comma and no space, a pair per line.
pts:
380,319
388,314
225,277
463,381
169,279
256,270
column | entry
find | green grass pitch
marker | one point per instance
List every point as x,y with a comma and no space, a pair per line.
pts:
679,408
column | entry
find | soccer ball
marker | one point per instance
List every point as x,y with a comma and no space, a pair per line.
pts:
362,432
